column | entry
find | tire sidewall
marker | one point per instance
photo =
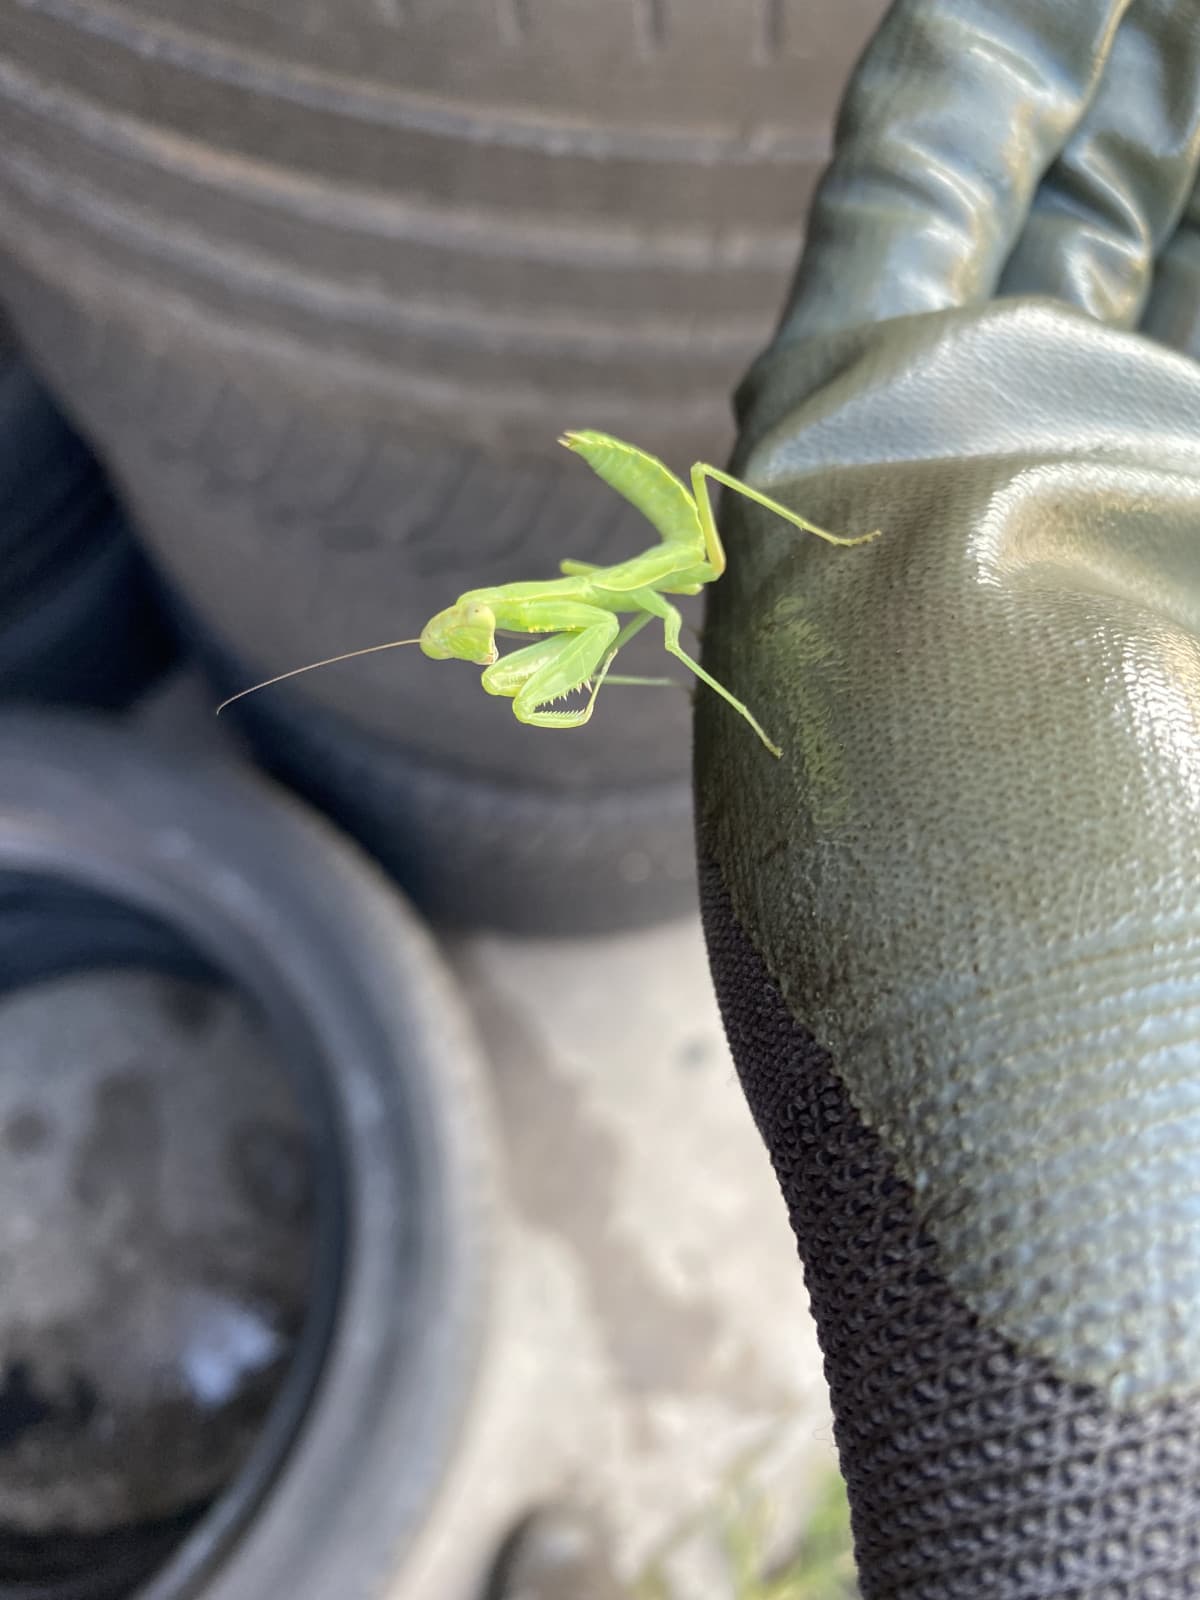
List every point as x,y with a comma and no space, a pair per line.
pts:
329,952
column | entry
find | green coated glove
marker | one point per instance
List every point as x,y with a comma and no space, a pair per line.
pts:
955,930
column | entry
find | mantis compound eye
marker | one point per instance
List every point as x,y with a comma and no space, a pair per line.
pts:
478,635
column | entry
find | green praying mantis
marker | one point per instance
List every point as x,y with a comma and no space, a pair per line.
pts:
580,615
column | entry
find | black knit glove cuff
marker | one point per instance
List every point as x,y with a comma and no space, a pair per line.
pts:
974,1472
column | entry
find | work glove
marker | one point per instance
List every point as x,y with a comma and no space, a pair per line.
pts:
955,929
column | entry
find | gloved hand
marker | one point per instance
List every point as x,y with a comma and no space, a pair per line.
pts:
955,929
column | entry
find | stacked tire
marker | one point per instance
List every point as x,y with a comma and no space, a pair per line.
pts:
325,284
116,856
285,1330
79,619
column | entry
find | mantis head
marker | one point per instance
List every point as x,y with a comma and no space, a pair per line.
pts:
465,630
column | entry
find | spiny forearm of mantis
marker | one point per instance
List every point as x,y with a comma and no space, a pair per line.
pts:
584,617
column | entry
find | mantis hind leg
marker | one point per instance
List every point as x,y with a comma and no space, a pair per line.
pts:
712,539
672,622
577,569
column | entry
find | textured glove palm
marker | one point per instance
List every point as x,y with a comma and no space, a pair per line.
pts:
955,931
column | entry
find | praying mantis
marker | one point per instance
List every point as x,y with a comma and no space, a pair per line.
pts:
580,614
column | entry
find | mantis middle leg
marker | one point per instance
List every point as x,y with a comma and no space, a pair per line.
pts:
672,621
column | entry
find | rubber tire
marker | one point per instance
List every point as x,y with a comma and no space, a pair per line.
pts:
80,620
385,1064
325,284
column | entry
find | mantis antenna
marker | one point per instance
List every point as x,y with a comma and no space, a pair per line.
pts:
329,661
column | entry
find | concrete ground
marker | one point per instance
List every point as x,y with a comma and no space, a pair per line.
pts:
651,1348
686,1362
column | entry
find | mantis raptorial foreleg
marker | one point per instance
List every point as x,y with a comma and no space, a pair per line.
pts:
538,674
579,613
509,675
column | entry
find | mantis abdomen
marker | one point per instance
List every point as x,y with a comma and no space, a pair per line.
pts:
643,480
